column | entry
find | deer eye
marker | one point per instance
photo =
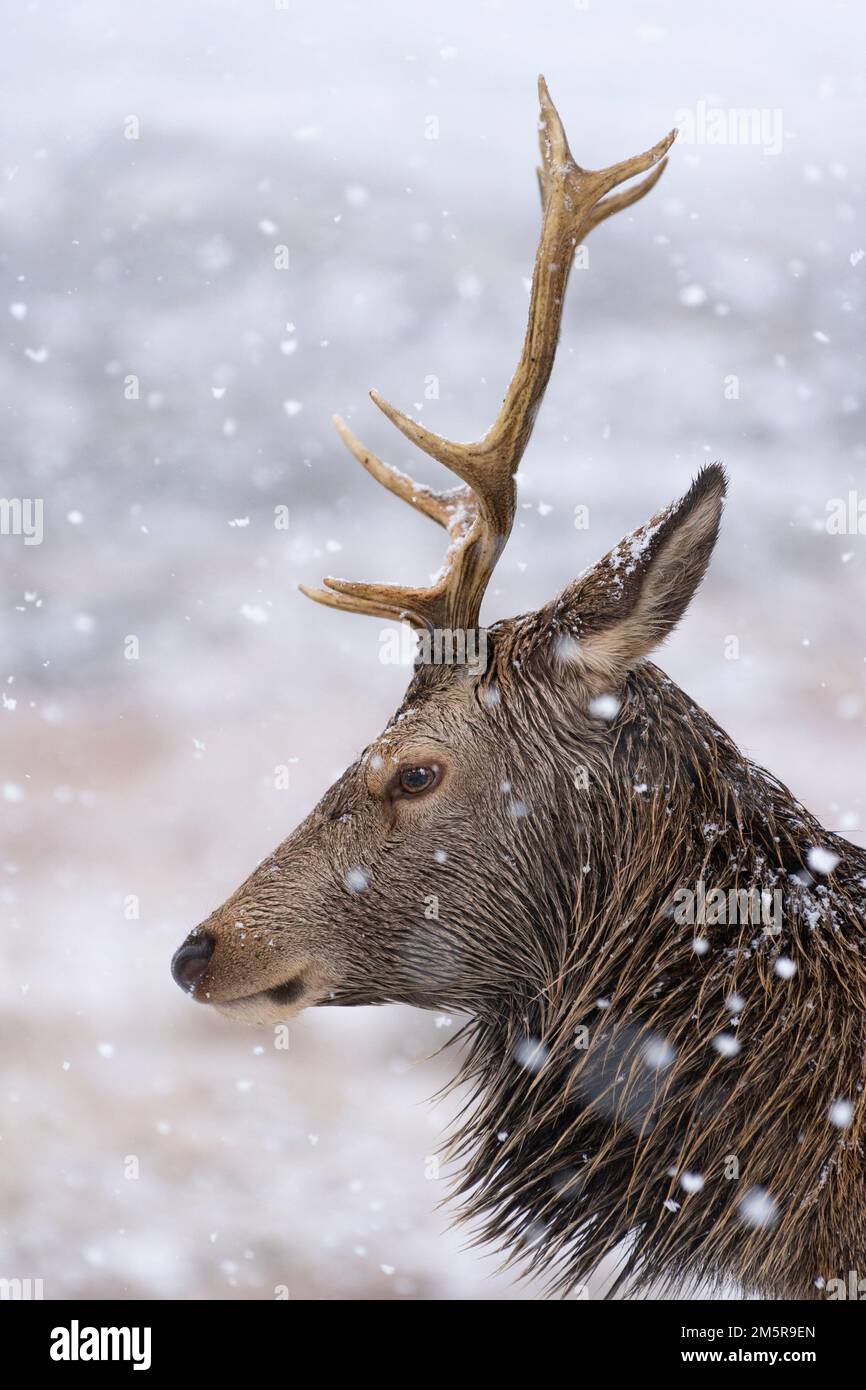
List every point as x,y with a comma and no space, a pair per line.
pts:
412,780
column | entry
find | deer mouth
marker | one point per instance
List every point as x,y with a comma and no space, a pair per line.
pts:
289,993
267,1005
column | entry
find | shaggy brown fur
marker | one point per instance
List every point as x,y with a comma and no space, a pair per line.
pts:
517,844
566,1161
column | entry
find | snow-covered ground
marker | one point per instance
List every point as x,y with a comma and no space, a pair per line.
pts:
722,319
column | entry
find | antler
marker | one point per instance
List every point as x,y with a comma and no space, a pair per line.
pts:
479,515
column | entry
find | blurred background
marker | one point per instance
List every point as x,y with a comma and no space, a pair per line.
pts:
221,222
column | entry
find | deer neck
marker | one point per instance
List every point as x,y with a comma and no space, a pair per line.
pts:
622,1098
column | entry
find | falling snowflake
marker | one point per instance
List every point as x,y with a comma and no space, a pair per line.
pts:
357,880
254,613
658,1053
758,1209
693,296
841,1113
530,1053
822,861
604,707
692,1182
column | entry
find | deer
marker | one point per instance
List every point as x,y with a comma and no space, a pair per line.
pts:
679,1088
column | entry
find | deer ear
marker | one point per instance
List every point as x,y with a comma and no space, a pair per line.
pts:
628,603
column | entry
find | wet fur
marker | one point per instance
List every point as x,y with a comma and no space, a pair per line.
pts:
566,1162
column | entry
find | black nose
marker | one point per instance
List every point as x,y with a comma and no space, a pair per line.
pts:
191,960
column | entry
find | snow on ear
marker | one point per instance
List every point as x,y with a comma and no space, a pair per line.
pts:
628,603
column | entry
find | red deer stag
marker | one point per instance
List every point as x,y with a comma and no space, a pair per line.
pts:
661,953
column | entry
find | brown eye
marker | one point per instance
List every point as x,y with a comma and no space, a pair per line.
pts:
412,780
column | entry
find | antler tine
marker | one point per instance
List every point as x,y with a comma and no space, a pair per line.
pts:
436,505
388,601
479,516
638,164
617,202
339,600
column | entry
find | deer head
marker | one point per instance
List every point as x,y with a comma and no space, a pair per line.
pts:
512,846
466,795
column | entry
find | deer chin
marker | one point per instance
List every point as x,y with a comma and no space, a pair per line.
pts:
269,1006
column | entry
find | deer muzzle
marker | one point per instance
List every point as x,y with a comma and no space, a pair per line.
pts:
208,969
